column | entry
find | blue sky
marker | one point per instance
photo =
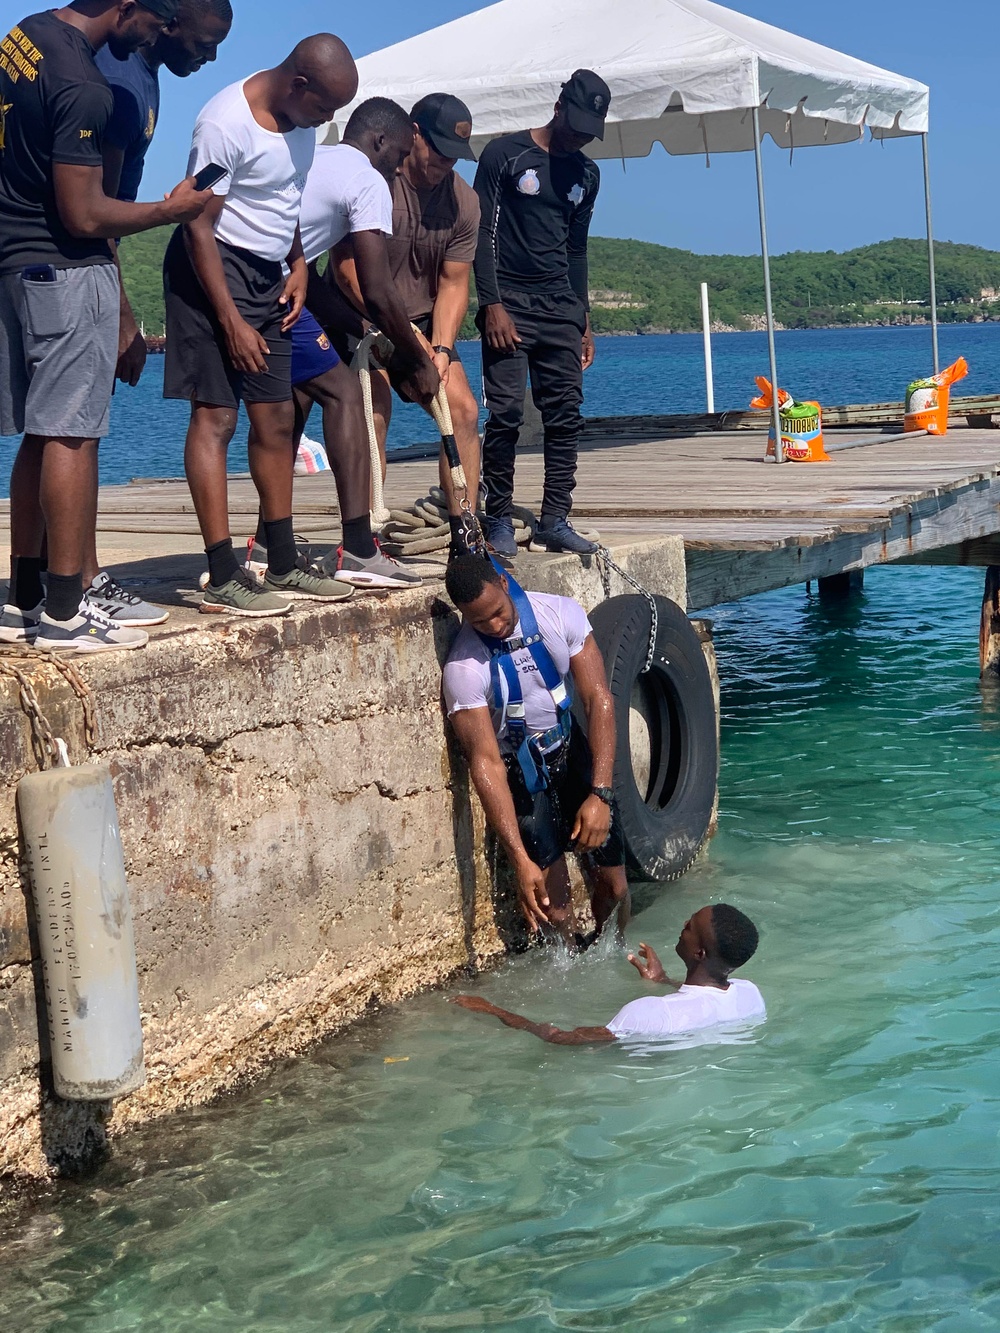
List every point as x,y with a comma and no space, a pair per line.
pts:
862,192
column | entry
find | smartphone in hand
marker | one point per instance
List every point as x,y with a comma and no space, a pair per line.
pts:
207,177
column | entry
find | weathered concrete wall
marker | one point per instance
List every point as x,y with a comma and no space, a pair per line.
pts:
298,839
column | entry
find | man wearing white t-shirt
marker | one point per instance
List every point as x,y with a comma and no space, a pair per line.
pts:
714,942
230,308
347,193
544,785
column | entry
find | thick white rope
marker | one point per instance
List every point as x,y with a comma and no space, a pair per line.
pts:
362,364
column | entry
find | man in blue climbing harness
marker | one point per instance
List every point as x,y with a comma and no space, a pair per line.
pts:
544,785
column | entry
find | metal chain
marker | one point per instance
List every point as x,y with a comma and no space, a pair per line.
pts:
605,565
45,742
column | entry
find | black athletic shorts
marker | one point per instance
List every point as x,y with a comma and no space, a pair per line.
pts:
546,819
197,366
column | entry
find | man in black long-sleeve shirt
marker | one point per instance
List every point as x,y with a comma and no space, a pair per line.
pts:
537,191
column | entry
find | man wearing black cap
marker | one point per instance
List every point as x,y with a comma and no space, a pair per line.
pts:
435,225
537,191
59,302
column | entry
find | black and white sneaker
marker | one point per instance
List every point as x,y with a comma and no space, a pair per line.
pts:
120,605
17,626
89,631
373,571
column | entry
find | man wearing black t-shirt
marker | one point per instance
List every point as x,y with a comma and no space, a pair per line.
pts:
59,303
537,191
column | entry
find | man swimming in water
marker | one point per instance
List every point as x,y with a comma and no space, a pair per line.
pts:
714,942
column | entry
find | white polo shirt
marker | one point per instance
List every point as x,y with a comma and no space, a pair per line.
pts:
265,173
688,1010
344,194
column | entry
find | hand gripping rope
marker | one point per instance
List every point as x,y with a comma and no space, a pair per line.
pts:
376,341
605,565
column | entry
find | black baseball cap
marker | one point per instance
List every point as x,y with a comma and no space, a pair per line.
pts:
163,9
446,124
586,98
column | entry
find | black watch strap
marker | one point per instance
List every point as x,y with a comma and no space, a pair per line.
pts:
449,352
604,794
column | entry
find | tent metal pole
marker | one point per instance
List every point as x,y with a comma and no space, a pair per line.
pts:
930,256
779,453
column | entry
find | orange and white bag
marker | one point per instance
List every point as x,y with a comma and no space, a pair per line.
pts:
927,400
801,425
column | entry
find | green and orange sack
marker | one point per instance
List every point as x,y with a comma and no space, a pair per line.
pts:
927,400
801,425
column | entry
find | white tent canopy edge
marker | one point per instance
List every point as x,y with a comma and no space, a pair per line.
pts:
688,74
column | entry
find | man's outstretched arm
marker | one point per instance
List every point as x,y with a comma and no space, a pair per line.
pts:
546,1031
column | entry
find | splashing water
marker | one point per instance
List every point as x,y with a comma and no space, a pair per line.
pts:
836,1169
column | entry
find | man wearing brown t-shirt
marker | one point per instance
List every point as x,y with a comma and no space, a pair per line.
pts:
435,225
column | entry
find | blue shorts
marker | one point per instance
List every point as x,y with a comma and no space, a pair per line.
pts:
312,352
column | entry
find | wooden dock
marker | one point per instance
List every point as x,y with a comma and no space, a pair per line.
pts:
748,526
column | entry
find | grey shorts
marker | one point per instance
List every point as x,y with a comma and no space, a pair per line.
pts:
58,352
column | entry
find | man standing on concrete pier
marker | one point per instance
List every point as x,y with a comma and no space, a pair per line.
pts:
435,225
185,45
537,192
59,303
230,311
544,785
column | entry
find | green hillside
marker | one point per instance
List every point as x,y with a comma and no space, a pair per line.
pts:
637,286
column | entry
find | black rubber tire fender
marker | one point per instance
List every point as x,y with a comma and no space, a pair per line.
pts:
665,812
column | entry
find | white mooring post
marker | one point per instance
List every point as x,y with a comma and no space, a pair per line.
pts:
706,333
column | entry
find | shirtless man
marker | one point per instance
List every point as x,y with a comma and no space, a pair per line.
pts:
714,942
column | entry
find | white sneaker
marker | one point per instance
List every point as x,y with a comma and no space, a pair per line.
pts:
122,606
89,631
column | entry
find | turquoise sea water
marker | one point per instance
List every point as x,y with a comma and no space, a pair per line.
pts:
663,373
837,1169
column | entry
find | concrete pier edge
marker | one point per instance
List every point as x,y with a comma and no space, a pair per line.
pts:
300,841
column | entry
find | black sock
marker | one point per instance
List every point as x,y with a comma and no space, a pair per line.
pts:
279,538
222,562
63,596
358,539
260,536
26,589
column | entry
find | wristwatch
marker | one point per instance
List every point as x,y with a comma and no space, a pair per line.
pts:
449,352
604,794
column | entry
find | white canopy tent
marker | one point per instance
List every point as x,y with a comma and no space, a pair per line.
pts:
688,74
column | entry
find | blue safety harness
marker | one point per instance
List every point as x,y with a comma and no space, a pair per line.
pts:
530,750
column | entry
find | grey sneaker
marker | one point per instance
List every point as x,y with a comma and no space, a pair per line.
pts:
89,631
17,626
560,535
373,571
243,596
307,585
499,534
122,606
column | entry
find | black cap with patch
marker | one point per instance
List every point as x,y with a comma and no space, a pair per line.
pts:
586,98
446,124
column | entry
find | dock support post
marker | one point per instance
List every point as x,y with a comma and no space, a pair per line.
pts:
706,337
772,361
837,587
989,626
930,256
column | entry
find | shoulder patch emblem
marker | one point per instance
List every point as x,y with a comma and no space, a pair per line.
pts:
150,123
529,182
575,195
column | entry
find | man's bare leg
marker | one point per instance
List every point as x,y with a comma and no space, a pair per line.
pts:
272,456
345,435
53,491
205,450
561,914
608,894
